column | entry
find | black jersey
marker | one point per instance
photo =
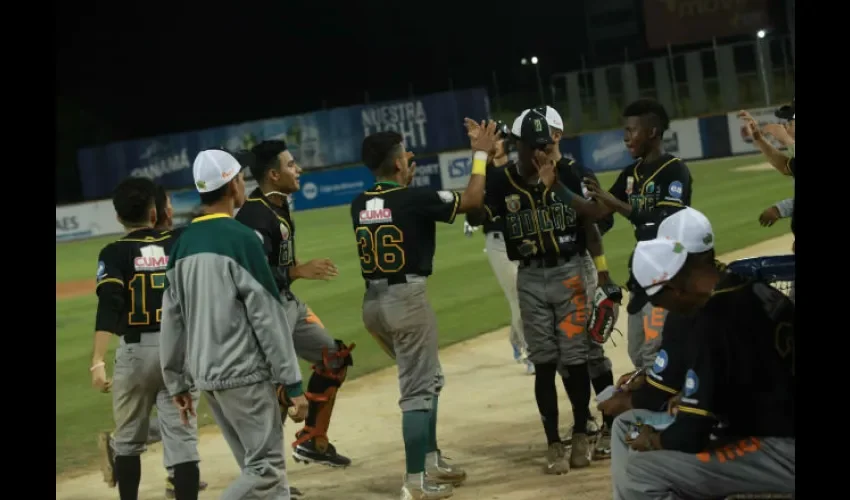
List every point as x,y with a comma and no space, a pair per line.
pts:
538,224
741,371
579,172
276,229
130,282
652,189
666,377
395,228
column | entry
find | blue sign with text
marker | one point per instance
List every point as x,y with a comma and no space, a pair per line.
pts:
332,188
427,173
429,124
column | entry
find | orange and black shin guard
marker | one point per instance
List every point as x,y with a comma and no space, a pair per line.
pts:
321,394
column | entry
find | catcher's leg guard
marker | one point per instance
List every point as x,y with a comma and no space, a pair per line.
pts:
321,393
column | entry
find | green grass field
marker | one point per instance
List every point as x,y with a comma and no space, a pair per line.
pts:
463,291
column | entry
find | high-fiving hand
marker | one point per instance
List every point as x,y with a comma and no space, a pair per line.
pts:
482,136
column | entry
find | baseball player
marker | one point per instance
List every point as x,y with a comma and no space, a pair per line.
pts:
784,133
266,211
164,213
395,230
225,326
739,385
504,269
601,375
651,389
130,279
547,237
645,193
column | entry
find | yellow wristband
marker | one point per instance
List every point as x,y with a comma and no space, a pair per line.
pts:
479,163
600,263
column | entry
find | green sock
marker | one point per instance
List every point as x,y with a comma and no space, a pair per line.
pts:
414,428
432,427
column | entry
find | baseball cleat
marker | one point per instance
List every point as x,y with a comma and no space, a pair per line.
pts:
556,460
295,492
169,487
602,449
439,471
529,368
580,452
107,458
592,427
426,491
308,453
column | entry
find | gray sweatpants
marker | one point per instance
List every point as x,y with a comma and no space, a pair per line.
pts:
751,465
553,304
309,335
402,322
597,362
250,421
644,335
137,388
155,434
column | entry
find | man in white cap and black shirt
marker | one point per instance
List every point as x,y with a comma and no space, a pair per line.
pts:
224,324
729,337
595,271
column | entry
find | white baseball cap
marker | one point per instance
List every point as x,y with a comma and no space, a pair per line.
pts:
554,118
214,168
690,227
656,262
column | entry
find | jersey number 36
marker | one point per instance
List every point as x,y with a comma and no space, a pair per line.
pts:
380,248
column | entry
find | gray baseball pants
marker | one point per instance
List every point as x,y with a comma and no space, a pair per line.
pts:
553,303
644,335
137,388
402,322
250,421
597,362
750,465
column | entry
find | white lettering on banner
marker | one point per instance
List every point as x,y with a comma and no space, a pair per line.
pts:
738,139
406,118
159,166
86,220
683,139
608,154
455,169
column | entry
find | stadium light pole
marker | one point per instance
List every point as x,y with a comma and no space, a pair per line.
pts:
535,62
760,48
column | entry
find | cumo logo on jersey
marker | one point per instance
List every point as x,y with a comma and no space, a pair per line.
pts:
460,167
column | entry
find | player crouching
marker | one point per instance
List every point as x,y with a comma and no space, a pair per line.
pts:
266,211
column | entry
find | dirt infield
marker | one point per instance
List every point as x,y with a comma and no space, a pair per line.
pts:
488,423
73,289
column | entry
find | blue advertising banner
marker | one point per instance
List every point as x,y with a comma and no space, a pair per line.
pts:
427,173
571,147
429,124
331,188
604,151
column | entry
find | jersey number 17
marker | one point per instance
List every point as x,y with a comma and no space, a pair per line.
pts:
380,248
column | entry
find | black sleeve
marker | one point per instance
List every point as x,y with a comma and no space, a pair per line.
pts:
110,290
248,216
477,217
606,223
792,166
440,206
664,379
618,189
677,178
691,431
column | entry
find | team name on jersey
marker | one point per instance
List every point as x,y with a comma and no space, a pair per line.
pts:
153,258
646,197
556,216
375,213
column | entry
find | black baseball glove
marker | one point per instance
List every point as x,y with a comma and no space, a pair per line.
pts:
604,312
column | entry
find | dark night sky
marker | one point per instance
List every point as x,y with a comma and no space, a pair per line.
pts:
157,69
